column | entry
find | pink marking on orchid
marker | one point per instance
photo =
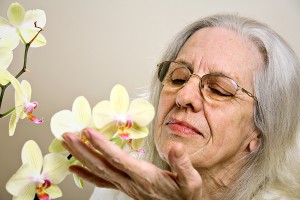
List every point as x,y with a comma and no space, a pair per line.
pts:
34,119
129,123
40,190
124,136
30,107
141,151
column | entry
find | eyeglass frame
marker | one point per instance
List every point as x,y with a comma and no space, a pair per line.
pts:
161,78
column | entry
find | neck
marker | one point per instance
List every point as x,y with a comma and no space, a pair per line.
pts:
217,181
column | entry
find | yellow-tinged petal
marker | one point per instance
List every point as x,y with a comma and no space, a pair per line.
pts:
15,14
29,34
102,114
32,155
6,57
20,179
136,131
109,130
56,146
32,16
27,193
78,181
61,122
55,167
54,191
10,39
120,99
26,88
137,144
4,23
142,111
13,124
82,112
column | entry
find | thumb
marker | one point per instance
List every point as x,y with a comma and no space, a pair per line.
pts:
188,178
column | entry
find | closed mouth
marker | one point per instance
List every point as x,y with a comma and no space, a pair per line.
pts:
182,127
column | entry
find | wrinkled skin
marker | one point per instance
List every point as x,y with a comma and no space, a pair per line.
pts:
111,167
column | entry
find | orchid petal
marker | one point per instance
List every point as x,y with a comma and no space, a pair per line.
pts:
10,39
15,14
109,130
78,181
26,88
32,16
12,124
119,142
142,112
19,180
102,114
137,144
120,99
56,146
55,167
32,155
6,56
27,193
4,25
61,122
54,191
136,131
82,112
29,34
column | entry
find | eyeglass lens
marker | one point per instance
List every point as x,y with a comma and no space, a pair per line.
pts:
213,86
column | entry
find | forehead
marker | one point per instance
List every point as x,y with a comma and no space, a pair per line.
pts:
217,49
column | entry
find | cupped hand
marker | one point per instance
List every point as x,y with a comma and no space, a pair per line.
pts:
106,165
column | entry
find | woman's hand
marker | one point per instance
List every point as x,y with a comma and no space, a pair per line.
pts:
110,167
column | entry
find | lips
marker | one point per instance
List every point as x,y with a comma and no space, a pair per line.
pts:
182,128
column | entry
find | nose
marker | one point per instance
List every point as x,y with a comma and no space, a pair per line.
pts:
189,96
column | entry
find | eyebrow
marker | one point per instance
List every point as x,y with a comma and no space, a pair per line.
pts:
187,64
211,71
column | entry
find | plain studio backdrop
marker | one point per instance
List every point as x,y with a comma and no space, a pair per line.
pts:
95,44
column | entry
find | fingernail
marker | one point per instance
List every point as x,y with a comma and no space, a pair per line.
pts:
65,137
86,134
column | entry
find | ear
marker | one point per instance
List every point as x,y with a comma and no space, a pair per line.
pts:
255,141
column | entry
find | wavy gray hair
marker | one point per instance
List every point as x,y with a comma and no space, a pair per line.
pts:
272,171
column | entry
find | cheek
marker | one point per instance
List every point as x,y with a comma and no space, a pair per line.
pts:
165,105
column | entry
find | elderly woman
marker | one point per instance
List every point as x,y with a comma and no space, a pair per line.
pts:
227,97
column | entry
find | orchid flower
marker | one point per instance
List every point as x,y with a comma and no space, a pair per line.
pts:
122,121
71,121
37,175
22,25
23,107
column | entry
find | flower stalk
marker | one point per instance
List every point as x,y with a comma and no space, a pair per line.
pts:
23,70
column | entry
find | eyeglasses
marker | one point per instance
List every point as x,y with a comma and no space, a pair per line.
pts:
215,86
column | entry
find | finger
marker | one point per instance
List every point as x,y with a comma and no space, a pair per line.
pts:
92,159
90,177
189,180
138,170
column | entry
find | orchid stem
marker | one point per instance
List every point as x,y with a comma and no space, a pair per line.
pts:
24,69
3,87
36,197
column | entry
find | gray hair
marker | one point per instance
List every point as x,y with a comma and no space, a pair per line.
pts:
272,171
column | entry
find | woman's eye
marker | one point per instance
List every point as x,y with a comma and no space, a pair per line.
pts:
219,91
178,81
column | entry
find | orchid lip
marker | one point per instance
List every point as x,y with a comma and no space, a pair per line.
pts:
183,123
